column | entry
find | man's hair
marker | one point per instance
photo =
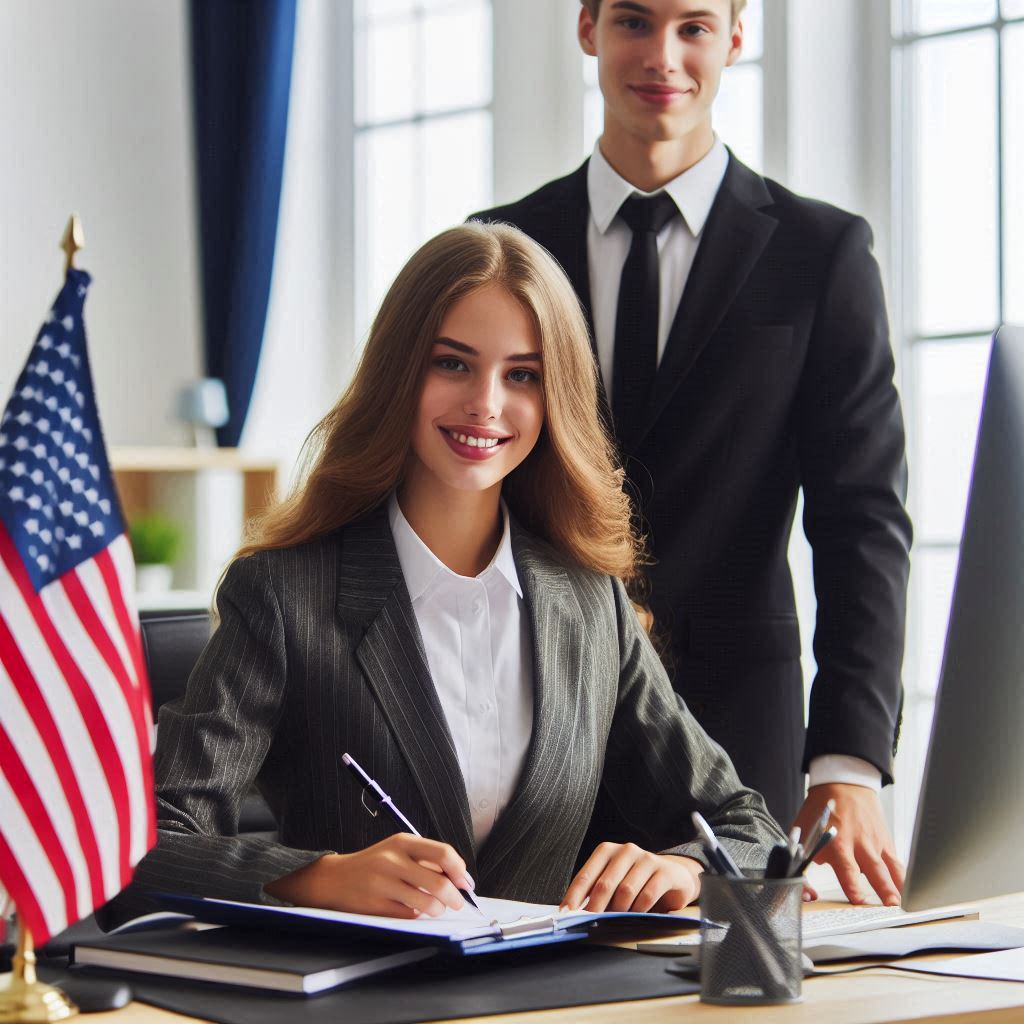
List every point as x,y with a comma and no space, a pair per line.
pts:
595,5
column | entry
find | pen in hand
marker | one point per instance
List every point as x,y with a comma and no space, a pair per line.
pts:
385,801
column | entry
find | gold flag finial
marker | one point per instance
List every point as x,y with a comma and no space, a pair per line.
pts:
72,241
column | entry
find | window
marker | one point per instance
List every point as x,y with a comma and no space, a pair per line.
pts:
960,215
423,89
738,107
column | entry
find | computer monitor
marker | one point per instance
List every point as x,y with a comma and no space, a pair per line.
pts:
969,835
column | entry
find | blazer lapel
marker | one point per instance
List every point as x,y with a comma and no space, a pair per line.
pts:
372,597
554,752
735,235
560,224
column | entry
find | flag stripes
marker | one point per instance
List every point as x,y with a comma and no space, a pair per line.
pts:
103,711
70,775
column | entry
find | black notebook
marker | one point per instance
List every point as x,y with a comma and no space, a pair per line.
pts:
231,956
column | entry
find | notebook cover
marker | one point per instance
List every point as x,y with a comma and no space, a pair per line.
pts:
441,988
244,957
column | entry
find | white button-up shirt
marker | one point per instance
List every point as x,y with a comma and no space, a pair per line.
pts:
609,238
476,634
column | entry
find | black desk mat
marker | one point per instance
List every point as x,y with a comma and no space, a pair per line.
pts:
440,989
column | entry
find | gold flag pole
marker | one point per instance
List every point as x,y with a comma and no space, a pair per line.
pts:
26,1000
23,998
72,241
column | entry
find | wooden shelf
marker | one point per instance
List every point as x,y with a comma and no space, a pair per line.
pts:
139,473
211,492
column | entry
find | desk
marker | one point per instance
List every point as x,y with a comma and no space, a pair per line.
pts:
869,997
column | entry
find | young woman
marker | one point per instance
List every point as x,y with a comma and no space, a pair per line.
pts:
441,598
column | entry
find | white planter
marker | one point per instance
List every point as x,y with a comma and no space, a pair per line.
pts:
153,579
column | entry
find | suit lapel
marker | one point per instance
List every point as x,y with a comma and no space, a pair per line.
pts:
735,235
372,598
554,755
560,224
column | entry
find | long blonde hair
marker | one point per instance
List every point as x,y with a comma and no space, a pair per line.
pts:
567,491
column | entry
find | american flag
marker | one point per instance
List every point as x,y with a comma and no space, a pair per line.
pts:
76,787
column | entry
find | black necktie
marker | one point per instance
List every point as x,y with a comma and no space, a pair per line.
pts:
636,323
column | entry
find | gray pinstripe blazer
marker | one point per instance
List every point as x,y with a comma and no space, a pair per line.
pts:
318,652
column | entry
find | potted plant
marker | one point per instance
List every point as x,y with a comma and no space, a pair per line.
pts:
155,542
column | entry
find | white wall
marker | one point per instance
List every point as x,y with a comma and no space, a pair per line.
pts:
95,119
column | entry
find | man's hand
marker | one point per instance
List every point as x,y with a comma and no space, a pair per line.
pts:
863,843
625,877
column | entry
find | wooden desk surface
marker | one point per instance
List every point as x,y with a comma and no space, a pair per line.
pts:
869,997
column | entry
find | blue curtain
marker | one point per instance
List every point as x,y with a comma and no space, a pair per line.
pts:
242,66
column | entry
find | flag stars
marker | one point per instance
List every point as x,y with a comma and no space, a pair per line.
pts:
46,342
43,426
36,476
68,323
82,458
74,541
57,376
63,474
91,495
46,536
63,350
82,518
39,451
104,506
97,529
32,526
66,508
24,417
65,414
18,469
21,443
34,502
16,494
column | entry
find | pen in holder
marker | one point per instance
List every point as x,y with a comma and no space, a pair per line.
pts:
750,940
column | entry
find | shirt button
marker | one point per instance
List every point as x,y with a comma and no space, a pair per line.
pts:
478,606
484,706
484,804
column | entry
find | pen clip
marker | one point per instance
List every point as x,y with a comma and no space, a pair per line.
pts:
362,800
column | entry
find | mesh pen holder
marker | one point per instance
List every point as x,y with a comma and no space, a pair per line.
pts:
750,942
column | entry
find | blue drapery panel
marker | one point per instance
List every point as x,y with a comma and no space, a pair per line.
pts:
242,66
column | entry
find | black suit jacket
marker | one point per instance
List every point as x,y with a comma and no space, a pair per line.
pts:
777,375
318,653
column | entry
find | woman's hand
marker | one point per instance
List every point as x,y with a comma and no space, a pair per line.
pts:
401,876
624,877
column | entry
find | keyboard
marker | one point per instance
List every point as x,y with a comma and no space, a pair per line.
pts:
818,924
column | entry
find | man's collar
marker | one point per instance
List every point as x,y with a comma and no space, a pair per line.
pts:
693,191
422,568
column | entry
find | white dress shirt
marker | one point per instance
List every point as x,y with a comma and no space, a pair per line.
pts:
609,238
476,634
608,242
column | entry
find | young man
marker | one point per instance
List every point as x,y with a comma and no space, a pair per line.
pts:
743,344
